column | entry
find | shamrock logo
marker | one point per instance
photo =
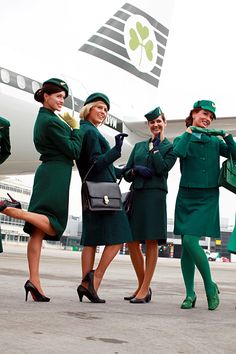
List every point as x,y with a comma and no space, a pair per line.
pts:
139,38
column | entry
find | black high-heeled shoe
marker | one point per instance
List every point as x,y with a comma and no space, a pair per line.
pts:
143,300
128,298
7,203
82,291
36,295
90,293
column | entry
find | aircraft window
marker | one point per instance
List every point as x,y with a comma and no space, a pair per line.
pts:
5,76
35,86
21,81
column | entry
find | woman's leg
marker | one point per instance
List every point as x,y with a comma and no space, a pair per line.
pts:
191,243
188,270
108,255
87,259
40,221
33,255
151,261
42,226
137,260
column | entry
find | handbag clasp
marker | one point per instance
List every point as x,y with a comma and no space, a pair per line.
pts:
106,199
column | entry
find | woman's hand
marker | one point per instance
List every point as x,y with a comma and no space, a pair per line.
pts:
142,171
162,130
215,132
71,121
119,139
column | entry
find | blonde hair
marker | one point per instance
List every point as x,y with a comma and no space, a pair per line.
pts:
84,112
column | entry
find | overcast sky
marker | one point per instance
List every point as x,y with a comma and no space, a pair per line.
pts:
199,62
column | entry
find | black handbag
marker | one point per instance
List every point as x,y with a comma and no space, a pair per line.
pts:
227,177
100,196
128,202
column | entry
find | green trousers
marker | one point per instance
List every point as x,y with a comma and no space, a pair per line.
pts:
193,255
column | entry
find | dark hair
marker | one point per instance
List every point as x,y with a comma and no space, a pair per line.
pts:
162,116
189,119
46,88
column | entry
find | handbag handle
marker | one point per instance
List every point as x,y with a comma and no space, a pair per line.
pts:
231,162
89,170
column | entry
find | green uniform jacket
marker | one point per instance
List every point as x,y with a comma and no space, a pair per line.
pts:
200,158
197,203
96,148
5,149
58,146
160,161
100,228
5,146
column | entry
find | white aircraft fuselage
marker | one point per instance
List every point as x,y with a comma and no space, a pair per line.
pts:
118,48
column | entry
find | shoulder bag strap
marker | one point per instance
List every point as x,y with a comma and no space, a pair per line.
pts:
89,170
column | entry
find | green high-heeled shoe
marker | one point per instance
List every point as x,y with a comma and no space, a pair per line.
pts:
189,302
213,300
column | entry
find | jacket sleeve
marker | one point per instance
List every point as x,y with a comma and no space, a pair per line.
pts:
68,144
118,172
95,152
5,145
128,175
181,144
163,162
228,146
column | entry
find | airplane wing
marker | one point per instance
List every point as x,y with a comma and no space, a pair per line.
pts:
176,127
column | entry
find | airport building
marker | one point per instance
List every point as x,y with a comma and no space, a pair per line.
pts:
12,229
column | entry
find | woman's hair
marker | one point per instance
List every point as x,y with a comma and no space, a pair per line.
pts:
189,119
162,116
84,112
46,88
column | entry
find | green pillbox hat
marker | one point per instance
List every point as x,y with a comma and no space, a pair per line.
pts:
62,84
155,113
207,105
98,96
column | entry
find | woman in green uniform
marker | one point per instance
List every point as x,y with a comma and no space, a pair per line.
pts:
5,150
109,229
231,245
197,204
59,143
147,169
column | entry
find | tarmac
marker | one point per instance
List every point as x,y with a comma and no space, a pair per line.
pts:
65,325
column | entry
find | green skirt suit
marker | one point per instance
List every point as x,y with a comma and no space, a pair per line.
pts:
58,146
197,203
99,227
231,245
148,218
5,150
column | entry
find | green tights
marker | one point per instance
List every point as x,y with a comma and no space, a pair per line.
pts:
193,254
